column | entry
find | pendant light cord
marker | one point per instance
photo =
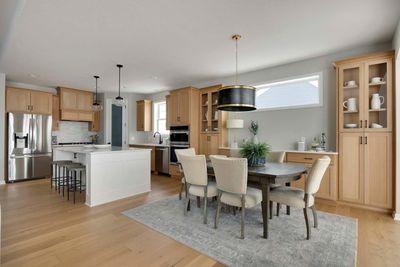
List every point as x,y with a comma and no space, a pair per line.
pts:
96,88
119,80
236,74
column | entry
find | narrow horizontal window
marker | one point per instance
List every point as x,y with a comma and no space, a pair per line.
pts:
301,92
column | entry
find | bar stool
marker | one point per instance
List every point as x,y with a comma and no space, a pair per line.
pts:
73,183
55,171
63,178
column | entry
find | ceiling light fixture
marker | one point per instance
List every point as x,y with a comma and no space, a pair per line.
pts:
237,97
119,101
96,106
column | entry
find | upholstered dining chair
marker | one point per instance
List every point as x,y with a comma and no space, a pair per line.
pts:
298,198
276,157
196,180
188,152
231,178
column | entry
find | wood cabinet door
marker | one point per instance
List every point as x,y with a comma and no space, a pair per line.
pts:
184,107
139,116
327,189
55,113
68,99
94,126
213,147
378,169
203,150
174,99
41,102
168,110
351,166
18,100
84,101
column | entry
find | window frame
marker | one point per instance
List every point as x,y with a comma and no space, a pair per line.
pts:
320,92
156,116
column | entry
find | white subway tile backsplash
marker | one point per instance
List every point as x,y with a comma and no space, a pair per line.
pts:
73,131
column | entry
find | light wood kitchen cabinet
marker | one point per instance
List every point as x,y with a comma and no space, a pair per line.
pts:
76,105
351,167
209,144
94,126
28,101
366,151
328,187
378,169
168,110
183,105
55,126
144,115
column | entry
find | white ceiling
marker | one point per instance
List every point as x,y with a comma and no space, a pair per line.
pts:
166,44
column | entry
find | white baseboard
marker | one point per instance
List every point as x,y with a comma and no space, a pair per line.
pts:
2,182
396,216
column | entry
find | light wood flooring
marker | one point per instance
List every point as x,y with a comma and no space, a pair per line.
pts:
40,228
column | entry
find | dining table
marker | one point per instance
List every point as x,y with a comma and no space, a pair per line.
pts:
265,175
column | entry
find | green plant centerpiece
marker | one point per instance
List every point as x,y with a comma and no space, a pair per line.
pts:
255,153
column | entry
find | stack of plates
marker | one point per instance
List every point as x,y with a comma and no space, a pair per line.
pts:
350,125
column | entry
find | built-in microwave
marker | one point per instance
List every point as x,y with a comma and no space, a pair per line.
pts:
179,135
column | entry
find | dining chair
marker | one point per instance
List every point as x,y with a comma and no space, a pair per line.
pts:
196,180
188,152
231,177
277,157
304,199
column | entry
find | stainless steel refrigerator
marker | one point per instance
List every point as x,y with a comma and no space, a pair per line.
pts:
29,146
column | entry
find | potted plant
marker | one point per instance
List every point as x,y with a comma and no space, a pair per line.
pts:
253,128
255,153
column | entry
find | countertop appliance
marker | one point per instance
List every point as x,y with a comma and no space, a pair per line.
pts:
29,146
179,139
162,160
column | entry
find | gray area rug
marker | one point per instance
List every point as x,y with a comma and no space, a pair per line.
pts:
334,243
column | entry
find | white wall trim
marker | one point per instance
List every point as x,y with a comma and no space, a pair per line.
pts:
396,216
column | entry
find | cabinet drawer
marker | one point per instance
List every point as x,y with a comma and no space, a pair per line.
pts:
85,116
174,170
305,158
69,115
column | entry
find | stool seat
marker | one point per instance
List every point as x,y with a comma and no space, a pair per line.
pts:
76,167
66,164
60,161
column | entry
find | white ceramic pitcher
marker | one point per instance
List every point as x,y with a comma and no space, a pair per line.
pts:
377,101
350,104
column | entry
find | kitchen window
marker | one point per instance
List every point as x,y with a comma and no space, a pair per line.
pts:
160,117
300,92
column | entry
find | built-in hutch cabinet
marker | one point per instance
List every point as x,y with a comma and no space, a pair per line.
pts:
213,132
365,123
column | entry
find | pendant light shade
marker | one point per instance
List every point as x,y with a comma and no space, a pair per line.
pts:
96,106
237,98
119,101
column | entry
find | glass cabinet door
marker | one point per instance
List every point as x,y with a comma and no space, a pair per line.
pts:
377,98
351,104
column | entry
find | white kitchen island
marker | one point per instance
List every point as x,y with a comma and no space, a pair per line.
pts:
112,173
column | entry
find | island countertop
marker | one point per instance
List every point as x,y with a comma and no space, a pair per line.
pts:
90,150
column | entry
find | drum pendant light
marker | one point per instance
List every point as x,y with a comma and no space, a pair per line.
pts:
236,97
119,101
96,106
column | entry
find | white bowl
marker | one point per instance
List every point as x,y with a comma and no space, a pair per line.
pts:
350,125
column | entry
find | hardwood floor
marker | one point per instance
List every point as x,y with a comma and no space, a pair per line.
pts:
40,228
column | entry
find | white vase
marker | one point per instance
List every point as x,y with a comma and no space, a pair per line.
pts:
255,139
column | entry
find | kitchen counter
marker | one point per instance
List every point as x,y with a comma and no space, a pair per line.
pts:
150,144
90,150
112,173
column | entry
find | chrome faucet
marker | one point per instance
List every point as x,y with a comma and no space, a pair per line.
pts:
159,139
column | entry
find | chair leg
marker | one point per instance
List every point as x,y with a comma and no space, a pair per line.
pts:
205,206
278,206
180,192
288,210
314,212
242,218
234,211
186,206
271,205
307,224
217,211
198,202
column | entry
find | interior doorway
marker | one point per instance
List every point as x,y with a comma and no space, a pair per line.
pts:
116,125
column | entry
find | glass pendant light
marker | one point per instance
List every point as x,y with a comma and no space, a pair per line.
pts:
119,101
236,97
96,106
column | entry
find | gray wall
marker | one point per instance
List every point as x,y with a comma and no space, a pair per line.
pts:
283,128
2,124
